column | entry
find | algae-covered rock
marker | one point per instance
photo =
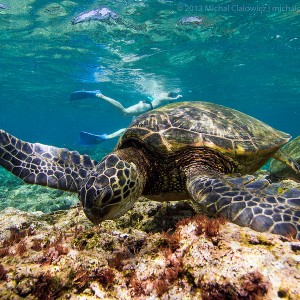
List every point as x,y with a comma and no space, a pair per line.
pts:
63,256
14,193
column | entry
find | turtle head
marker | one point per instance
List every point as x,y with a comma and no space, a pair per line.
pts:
110,189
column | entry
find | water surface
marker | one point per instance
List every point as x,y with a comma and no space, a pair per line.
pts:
242,55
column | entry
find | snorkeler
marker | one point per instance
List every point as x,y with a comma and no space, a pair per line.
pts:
87,138
136,109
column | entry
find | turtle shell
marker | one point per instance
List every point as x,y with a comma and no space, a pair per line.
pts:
176,126
280,170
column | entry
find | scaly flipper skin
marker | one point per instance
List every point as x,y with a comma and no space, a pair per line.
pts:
279,170
44,165
248,202
287,160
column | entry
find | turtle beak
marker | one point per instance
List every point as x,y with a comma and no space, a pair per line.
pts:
96,216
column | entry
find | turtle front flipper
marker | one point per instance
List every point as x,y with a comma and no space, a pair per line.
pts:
247,202
44,165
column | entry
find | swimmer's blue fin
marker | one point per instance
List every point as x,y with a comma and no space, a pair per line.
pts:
84,94
87,139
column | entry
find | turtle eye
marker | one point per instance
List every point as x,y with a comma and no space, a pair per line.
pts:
105,196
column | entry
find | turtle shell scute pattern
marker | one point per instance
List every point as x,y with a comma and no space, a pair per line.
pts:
176,126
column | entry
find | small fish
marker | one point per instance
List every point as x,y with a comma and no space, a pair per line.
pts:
2,6
191,20
99,14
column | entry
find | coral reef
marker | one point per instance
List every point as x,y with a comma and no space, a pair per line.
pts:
14,193
63,256
155,251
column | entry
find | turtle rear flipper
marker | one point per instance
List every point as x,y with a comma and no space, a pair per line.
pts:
279,170
44,165
286,159
246,202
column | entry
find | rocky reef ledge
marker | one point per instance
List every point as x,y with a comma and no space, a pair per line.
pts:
156,251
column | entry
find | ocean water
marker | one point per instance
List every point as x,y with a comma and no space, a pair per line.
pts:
242,54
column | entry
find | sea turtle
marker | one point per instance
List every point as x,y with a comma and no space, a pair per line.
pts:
280,171
196,150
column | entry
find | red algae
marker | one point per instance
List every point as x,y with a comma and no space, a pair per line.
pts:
192,257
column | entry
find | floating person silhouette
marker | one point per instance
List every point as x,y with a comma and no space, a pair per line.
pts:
87,138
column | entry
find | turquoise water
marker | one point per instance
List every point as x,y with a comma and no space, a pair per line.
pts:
243,56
